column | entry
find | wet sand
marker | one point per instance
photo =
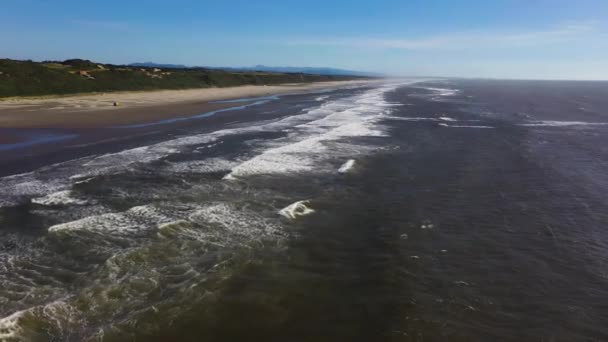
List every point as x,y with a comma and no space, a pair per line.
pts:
98,111
6,138
46,117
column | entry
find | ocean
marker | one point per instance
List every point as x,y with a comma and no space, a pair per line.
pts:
412,210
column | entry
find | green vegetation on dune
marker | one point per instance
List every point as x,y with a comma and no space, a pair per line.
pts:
28,78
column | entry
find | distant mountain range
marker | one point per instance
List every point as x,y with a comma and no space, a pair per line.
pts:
305,70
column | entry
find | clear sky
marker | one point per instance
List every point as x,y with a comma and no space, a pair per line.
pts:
471,38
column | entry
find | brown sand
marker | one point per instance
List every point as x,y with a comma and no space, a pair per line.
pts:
45,117
97,110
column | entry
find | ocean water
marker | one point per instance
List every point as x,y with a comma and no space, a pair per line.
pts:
413,210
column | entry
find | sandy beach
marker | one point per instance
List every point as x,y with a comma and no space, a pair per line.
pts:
97,110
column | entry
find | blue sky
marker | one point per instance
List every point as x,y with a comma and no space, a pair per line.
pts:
549,39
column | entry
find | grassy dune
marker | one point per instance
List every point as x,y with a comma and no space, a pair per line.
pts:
27,78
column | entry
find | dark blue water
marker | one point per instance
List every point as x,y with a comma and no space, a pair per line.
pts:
473,210
33,137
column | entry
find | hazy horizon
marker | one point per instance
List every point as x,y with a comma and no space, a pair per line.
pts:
473,39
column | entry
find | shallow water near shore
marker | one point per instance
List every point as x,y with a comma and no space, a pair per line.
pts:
407,211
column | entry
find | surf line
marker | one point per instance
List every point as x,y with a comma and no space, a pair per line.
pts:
296,210
347,166
200,116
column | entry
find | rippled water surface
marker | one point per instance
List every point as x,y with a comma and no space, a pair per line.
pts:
406,211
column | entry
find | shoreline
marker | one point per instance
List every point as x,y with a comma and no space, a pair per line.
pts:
41,134
140,107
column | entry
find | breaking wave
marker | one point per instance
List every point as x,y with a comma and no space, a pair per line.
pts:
120,226
296,209
464,126
553,123
305,148
347,166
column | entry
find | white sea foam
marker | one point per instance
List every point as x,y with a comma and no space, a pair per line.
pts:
222,224
442,91
59,198
284,159
14,188
119,162
208,165
322,98
464,126
406,118
334,121
235,220
58,312
229,177
300,156
552,123
445,118
347,166
9,326
296,210
59,177
132,220
106,222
